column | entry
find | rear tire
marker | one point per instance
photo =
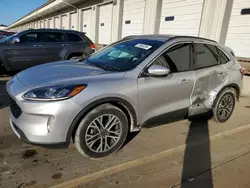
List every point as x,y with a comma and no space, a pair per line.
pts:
102,132
224,105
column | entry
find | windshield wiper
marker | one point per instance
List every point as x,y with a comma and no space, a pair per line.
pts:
106,67
100,65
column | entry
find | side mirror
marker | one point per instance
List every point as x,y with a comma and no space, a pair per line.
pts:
158,70
16,40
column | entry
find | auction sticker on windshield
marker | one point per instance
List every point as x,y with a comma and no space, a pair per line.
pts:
143,46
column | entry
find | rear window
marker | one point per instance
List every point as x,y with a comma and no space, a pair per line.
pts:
54,37
205,55
125,55
73,37
223,58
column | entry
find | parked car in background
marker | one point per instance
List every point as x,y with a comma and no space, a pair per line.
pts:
34,47
4,34
121,88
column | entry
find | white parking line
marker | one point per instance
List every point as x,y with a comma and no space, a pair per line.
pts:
144,160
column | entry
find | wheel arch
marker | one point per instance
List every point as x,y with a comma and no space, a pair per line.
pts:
124,105
233,85
72,54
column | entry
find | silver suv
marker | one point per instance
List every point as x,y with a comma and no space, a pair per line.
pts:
119,89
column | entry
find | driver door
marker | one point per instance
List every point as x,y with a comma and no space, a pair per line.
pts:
159,96
29,51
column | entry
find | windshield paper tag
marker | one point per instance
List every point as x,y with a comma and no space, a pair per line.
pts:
143,46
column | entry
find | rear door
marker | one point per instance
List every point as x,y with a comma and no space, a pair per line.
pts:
28,52
79,44
210,76
56,45
161,95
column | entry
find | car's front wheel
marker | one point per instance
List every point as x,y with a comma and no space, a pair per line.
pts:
101,132
224,105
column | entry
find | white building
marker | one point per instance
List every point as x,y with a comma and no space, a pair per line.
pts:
105,21
3,27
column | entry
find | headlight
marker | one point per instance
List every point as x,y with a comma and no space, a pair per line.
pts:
54,92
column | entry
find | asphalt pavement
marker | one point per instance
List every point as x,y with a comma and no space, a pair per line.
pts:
197,153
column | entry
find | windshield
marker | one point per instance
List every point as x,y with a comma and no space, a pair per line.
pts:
6,39
125,55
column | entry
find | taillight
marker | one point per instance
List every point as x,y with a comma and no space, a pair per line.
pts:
92,46
242,71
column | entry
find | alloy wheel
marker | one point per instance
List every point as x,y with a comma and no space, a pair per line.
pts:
103,133
226,106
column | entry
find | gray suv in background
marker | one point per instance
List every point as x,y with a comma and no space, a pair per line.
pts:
119,89
34,47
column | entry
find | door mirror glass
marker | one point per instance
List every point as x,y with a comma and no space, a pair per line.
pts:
158,70
16,40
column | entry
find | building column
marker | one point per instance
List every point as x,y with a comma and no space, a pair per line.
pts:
78,14
95,23
215,19
117,20
152,17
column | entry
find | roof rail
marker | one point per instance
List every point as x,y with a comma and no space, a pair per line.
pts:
175,37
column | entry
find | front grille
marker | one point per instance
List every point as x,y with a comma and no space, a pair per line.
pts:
14,108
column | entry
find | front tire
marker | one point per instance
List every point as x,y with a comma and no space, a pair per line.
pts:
224,105
101,132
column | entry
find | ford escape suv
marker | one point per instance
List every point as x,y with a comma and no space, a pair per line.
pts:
37,46
98,101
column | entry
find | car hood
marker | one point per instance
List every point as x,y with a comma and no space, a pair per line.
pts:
64,72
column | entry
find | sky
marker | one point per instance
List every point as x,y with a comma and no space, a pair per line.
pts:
12,10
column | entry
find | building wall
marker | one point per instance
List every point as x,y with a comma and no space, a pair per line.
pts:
106,21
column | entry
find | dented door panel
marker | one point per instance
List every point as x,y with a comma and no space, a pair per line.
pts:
208,82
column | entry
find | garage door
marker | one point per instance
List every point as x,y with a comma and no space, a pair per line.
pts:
86,22
238,35
57,23
45,24
65,22
42,24
50,25
181,17
38,25
73,21
133,17
105,24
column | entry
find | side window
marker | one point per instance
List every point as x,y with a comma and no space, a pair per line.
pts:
31,37
73,37
205,56
223,58
177,58
54,37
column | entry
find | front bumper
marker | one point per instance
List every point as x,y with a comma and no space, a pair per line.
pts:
40,123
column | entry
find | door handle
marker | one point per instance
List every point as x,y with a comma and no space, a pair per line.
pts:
65,44
37,45
185,81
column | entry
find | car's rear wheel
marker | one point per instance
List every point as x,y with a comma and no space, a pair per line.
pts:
224,105
101,132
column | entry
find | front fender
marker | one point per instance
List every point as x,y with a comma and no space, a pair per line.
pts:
96,103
